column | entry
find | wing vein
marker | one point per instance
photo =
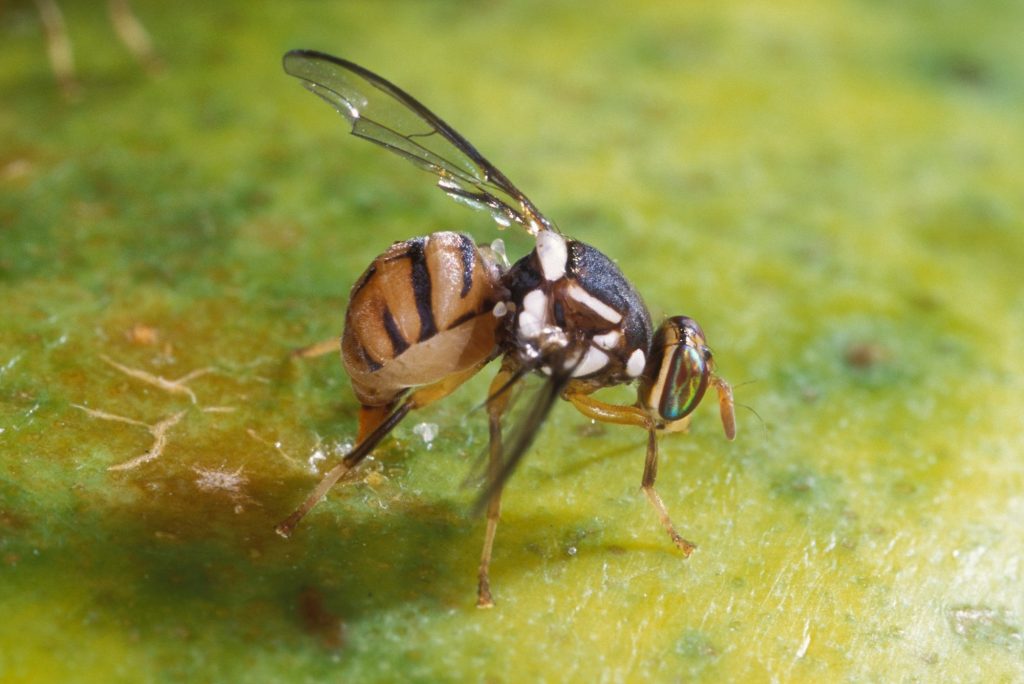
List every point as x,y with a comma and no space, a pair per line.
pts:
383,113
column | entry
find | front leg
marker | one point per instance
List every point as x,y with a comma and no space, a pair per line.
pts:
650,474
632,415
609,413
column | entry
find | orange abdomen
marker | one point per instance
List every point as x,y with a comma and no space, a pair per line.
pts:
420,312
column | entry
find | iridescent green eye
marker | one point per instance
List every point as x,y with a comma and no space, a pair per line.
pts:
685,382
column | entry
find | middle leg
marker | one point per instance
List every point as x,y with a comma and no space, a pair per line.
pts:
497,404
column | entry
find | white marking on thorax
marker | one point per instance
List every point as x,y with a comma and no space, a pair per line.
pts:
593,303
593,361
635,364
553,254
500,309
608,340
534,315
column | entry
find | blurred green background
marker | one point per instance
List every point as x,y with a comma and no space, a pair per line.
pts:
833,189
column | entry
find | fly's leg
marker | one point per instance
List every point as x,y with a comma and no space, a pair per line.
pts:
331,346
58,47
497,404
609,413
133,34
632,415
647,484
375,423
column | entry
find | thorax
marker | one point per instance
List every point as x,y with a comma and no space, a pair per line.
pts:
573,308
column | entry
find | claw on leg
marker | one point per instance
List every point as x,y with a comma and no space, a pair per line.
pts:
684,545
483,587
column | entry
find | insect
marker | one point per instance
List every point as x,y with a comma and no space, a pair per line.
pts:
431,312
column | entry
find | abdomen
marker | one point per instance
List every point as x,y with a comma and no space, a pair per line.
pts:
420,312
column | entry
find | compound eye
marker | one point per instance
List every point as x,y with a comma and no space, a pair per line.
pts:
685,382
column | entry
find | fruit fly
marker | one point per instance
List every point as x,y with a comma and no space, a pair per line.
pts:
431,312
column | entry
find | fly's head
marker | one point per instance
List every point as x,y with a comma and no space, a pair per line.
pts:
679,370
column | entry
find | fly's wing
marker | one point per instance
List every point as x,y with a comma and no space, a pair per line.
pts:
521,435
383,113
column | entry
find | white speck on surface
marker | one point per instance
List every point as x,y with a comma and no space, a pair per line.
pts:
806,642
427,432
215,479
499,310
314,459
222,481
10,364
59,342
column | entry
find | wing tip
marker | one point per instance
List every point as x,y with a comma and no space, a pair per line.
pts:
289,57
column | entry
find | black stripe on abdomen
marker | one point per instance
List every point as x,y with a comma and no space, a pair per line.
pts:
467,250
398,342
421,288
372,365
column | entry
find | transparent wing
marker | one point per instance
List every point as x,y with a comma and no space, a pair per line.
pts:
521,434
383,113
